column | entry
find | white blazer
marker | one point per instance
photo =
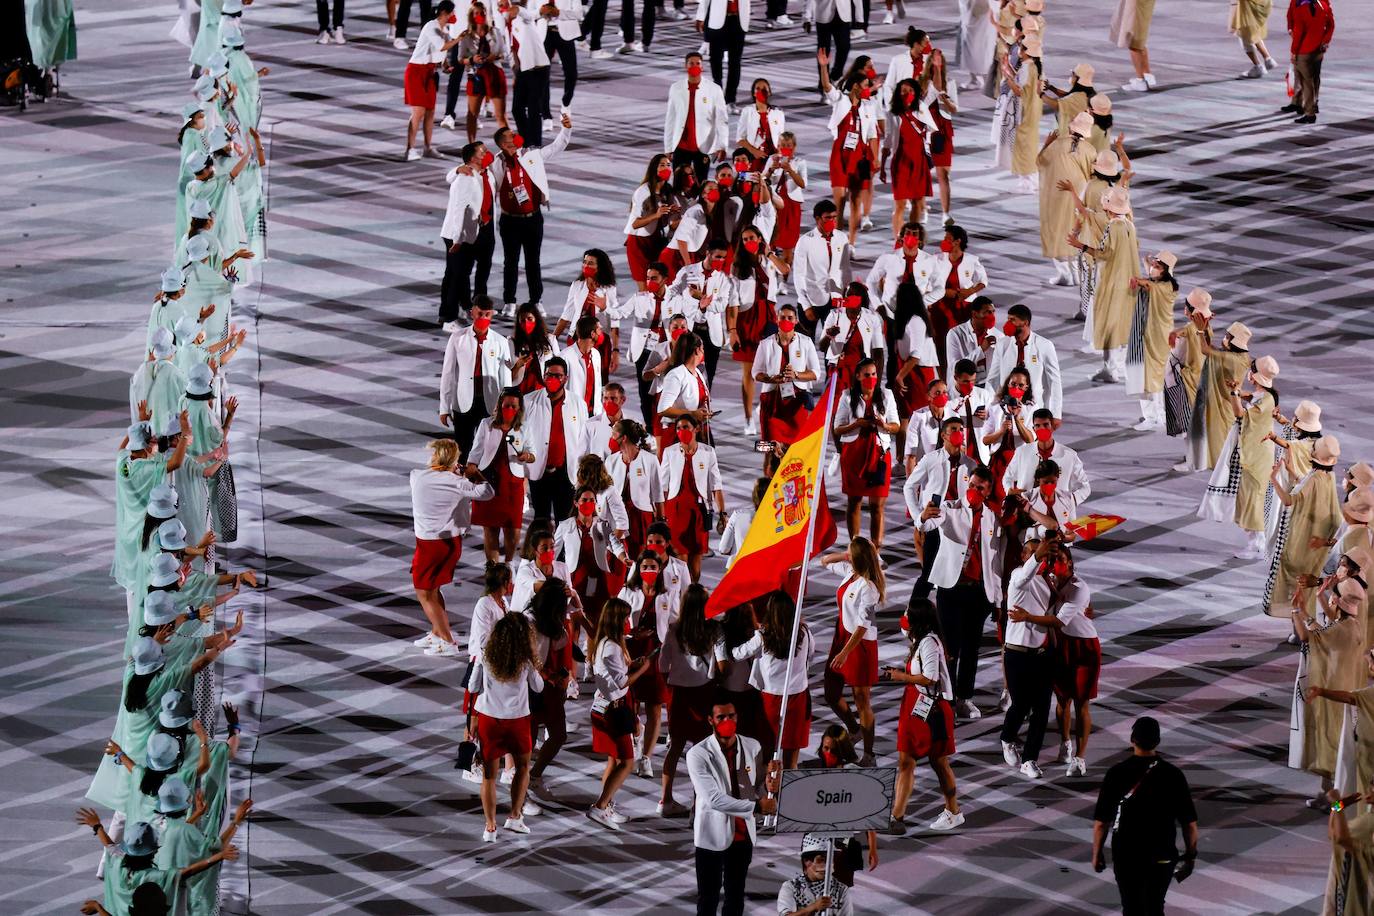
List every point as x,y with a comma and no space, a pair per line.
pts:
486,442
821,270
1042,363
801,356
712,13
749,127
604,543
869,327
716,809
463,217
841,105
721,286
646,484
694,227
844,414
1073,480
527,574
712,126
705,470
639,310
680,389
955,522
599,435
971,271
667,607
577,298
965,407
532,160
962,343
890,267
460,357
538,418
529,29
577,378
827,11
930,480
792,191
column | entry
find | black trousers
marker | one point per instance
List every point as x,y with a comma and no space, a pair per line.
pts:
465,423
836,31
930,546
527,104
711,352
1028,682
1142,884
551,495
454,91
729,867
775,9
647,401
700,162
728,40
594,23
521,234
322,13
963,610
647,19
403,15
460,281
566,51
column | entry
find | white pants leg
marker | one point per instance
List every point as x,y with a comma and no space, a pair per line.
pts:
1115,360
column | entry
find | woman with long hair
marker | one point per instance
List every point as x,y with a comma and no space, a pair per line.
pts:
761,124
503,676
770,646
686,390
941,97
672,568
917,361
1147,353
593,552
613,721
533,347
691,483
737,627
655,209
593,474
553,633
909,127
593,293
481,49
865,419
537,562
687,659
634,471
750,317
926,722
785,174
714,215
856,134
493,604
499,455
853,658
652,609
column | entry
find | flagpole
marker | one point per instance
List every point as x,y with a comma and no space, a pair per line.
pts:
831,394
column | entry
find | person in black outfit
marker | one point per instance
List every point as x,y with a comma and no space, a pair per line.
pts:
727,46
1144,799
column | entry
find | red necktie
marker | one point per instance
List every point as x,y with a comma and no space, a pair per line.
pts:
591,379
1020,352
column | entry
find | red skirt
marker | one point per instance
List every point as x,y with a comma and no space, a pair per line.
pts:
506,507
787,226
688,523
945,158
641,251
860,669
796,731
931,737
638,532
861,462
434,561
847,179
621,747
753,326
917,394
497,737
492,84
607,585
652,687
781,419
551,712
1077,664
689,709
421,85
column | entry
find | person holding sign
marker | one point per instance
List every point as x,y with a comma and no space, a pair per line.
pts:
808,893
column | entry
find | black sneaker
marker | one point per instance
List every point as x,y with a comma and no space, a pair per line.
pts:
1306,119
1290,108
896,827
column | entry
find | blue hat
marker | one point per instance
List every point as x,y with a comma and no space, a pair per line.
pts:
198,379
176,709
199,208
158,609
173,280
218,138
147,655
196,161
230,37
218,64
205,87
171,425
186,329
197,248
171,535
231,8
161,508
140,434
139,840
173,797
162,751
164,492
164,570
190,110
164,345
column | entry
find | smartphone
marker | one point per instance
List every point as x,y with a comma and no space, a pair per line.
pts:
763,445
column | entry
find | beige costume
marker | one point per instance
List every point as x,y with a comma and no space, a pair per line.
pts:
1190,360
1131,24
1256,461
1159,321
1315,513
1118,260
1333,662
1250,19
1221,364
1351,876
1027,139
1068,157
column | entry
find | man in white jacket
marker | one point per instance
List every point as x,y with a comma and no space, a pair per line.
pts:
821,265
724,770
477,361
1024,347
469,234
522,189
725,23
696,127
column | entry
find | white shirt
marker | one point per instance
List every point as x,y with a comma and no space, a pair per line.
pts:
801,355
638,201
868,326
705,471
1074,599
441,502
962,343
463,215
666,609
460,357
1032,593
537,426
528,29
712,126
486,442
568,25
929,662
712,13
791,191
532,160
429,46
915,341
646,484
719,285
930,480
736,677
923,434
732,538
770,672
1042,364
576,384
568,535
890,267
844,413
749,127
842,106
639,309
504,699
680,389
859,604
485,613
821,270
1073,480
955,522
682,667
528,574
611,671
694,227
577,299
971,272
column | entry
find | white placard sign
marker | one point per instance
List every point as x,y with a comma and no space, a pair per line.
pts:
813,801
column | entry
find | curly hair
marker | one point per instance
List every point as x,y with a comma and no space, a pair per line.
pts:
509,648
592,473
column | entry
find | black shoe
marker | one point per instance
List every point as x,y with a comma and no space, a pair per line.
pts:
1290,108
896,827
1306,119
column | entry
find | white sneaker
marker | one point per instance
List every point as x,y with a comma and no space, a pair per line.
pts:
637,47
866,225
1136,85
1077,767
1065,754
964,709
1254,73
339,36
424,642
751,426
1146,425
858,34
474,774
1011,753
785,20
616,815
1103,375
1031,770
675,14
770,24
488,836
624,48
1004,701
947,820
673,808
400,44
949,219
516,825
442,648
507,776
603,817
1270,64
413,155
645,767
509,311
449,123
1058,280
602,54
1150,80
390,32
889,18
432,153
324,39
530,809
1183,467
449,327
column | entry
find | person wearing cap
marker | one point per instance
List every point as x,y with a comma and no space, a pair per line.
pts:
1110,169
1148,349
1333,643
1069,103
1016,120
1143,802
182,841
1101,137
1065,157
191,138
1301,433
140,468
1353,553
247,102
1186,359
1361,697
810,892
1350,879
1307,525
1109,313
210,278
215,177
1241,477
1131,29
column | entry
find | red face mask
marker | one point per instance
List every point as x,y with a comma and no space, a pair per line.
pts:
965,388
939,400
725,180
827,224
870,73
946,245
760,95
956,438
990,320
712,194
1009,329
553,384
786,325
545,557
694,70
786,152
586,508
911,240
528,324
830,758
600,338
648,576
974,497
611,407
903,623
853,302
480,325
868,384
718,262
665,172
865,92
652,286
746,189
588,270
660,549
1016,391
508,413
517,141
479,19
487,159
1060,569
1044,434
685,435
751,246
726,728
1047,491
614,446
675,333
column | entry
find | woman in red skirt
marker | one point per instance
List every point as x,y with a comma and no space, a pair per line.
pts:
589,552
533,348
770,645
654,211
691,482
854,127
853,658
422,78
688,660
500,452
925,725
553,641
1008,424
503,677
635,476
942,100
481,51
786,179
917,363
613,721
750,318
593,293
652,608
908,155
1077,664
865,419
787,367
737,627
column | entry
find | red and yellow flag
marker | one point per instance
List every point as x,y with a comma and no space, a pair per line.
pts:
1088,527
773,548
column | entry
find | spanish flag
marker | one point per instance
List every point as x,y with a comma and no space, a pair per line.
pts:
773,549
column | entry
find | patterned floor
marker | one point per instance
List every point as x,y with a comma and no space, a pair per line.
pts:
358,810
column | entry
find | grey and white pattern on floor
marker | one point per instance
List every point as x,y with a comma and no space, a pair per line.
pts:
358,808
